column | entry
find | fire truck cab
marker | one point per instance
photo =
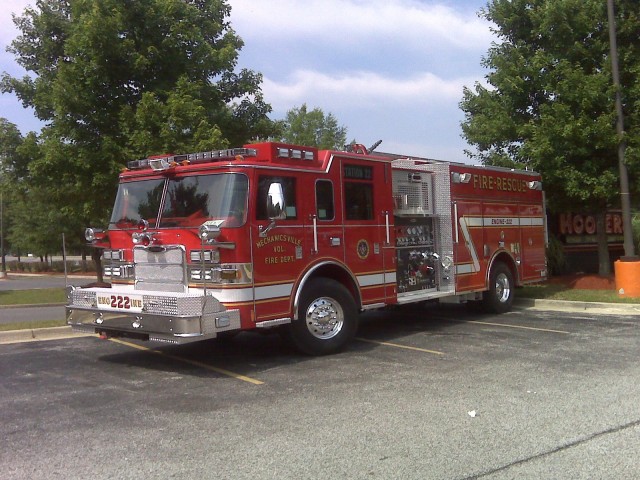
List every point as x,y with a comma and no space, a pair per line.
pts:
272,235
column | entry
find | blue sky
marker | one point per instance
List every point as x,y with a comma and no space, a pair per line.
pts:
387,69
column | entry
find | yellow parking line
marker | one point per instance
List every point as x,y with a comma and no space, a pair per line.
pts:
196,363
406,347
506,325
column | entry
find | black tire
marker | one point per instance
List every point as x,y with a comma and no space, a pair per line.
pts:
327,318
499,297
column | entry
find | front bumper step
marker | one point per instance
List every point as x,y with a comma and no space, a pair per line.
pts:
152,327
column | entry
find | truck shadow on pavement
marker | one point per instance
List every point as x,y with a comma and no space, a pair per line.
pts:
249,353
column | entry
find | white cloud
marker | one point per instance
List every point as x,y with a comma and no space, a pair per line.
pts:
416,24
390,69
353,89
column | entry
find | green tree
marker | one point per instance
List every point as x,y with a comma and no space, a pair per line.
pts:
116,80
34,225
26,210
313,128
549,100
11,166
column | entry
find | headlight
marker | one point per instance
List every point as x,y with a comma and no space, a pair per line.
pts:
209,232
94,234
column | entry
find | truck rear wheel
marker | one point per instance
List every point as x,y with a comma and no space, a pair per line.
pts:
327,318
499,297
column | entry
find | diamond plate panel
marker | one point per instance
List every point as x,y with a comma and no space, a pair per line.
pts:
82,298
180,306
412,196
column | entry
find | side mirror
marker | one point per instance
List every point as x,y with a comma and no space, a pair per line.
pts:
275,207
275,202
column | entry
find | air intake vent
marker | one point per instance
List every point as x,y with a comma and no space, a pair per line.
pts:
412,193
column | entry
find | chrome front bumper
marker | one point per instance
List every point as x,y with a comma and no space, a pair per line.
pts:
178,326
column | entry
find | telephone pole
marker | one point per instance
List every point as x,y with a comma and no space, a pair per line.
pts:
625,197
3,269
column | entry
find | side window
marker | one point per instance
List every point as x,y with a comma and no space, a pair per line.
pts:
324,200
358,192
289,188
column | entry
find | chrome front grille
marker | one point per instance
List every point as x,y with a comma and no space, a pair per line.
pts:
160,268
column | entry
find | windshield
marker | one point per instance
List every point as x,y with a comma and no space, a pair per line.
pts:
137,201
188,202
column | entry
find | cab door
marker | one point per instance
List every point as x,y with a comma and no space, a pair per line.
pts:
278,243
325,230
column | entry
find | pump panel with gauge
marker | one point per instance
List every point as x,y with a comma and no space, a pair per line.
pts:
416,259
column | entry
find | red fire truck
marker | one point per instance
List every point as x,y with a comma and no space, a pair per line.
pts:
273,235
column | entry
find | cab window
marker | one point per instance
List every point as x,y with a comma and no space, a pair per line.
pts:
324,200
289,189
358,192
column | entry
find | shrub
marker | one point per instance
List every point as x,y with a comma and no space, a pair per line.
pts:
635,224
57,266
556,259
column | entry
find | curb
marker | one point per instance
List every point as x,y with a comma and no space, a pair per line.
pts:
39,334
46,274
569,306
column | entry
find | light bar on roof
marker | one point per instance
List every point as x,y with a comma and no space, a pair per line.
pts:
227,154
164,163
138,164
160,164
295,153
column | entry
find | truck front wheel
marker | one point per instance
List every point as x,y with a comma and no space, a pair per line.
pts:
327,318
499,297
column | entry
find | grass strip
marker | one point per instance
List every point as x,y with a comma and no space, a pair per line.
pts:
31,325
32,297
560,292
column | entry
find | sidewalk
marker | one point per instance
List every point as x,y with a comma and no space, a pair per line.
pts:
568,306
38,334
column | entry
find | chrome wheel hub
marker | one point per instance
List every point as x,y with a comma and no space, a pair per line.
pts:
503,289
324,318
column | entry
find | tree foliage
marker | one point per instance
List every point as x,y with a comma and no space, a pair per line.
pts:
29,222
10,165
116,80
313,128
549,101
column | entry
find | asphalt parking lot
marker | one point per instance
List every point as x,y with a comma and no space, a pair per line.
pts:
423,393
